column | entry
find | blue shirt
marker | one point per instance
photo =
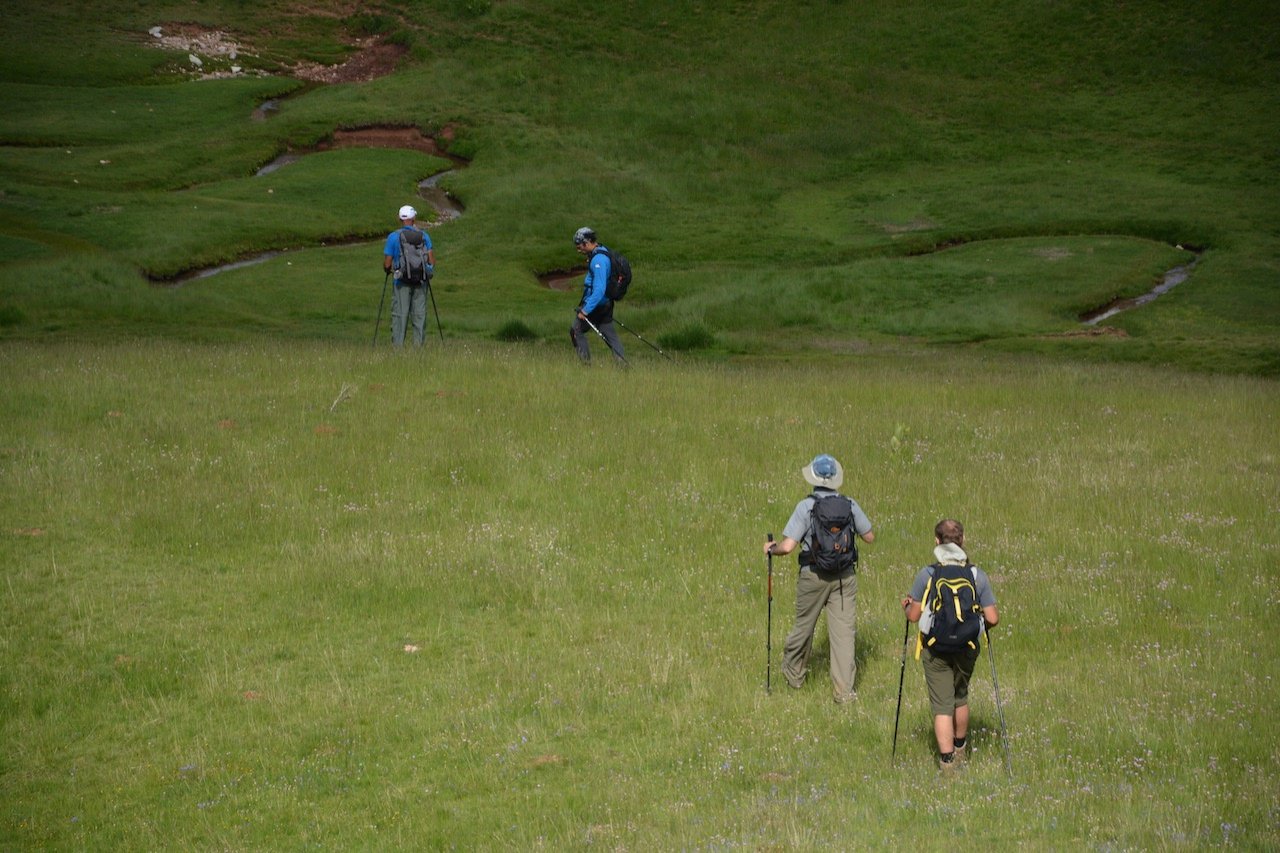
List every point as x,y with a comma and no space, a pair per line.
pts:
593,286
392,246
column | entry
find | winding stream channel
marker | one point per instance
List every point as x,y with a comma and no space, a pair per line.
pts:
447,208
1171,279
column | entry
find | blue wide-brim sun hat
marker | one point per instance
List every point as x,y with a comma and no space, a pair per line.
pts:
824,471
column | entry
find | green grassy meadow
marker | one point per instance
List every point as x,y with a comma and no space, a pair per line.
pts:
266,586
278,595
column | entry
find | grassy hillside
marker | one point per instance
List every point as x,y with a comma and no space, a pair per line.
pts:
275,595
781,176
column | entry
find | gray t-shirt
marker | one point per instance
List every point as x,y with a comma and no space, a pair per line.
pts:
981,584
798,526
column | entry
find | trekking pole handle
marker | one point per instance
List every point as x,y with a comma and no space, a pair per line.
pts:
770,566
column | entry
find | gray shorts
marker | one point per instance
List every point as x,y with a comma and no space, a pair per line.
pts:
947,679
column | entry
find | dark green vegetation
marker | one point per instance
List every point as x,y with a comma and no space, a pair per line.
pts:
782,175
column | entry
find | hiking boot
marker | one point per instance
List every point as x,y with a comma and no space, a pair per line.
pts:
845,698
949,768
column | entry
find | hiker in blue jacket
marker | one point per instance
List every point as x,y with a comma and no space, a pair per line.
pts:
408,298
595,309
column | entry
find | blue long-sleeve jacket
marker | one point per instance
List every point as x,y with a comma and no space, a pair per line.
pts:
593,286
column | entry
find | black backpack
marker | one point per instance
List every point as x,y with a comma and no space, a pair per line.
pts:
833,544
619,275
413,257
951,599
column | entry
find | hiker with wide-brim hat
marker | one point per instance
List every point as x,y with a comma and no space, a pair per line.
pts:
825,581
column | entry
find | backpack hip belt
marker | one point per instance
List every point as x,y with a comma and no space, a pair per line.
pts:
806,562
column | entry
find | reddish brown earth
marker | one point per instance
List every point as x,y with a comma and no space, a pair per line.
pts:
371,59
393,137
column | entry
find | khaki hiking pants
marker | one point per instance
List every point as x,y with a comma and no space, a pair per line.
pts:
838,597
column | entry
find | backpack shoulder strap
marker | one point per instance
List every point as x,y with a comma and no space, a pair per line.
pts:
608,256
813,508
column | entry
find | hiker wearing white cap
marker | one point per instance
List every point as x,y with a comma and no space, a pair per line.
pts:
824,525
409,255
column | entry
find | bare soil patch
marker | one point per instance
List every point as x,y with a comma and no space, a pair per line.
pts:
386,136
563,280
373,57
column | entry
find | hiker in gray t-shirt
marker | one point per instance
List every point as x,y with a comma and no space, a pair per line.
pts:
946,675
816,590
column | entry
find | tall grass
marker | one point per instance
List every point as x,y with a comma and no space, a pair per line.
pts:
265,595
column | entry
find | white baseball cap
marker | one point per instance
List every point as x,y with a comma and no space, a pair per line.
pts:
407,212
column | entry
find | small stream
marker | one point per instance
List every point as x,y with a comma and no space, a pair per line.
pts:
1171,279
446,206
244,262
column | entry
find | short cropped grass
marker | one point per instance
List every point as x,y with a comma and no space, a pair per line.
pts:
877,175
273,594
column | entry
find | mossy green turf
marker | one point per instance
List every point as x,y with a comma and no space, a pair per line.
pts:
258,596
790,158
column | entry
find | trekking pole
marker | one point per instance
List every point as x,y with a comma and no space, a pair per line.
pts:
381,301
606,340
902,671
637,334
1004,733
768,633
432,294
